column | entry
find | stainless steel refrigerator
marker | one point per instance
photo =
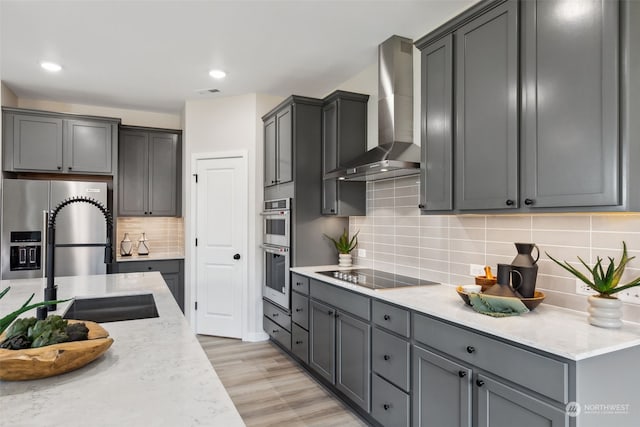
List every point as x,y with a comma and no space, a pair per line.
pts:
80,228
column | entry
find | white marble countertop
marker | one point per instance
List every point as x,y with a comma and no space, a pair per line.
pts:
153,256
155,373
555,330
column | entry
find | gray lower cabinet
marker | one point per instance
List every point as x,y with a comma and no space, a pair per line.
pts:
436,164
172,272
149,172
340,350
486,139
571,104
300,343
389,405
442,394
500,405
35,141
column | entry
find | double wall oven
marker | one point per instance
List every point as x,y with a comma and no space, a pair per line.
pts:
276,240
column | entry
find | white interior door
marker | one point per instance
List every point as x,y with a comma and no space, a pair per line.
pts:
221,232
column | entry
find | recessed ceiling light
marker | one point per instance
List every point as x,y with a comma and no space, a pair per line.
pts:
217,74
51,66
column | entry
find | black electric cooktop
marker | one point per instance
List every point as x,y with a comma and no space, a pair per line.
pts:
375,279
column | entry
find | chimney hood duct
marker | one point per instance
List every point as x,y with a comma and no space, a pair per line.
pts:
395,155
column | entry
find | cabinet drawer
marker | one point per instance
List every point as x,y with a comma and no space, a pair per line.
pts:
390,358
277,333
392,318
300,283
169,266
544,375
340,298
300,343
277,315
389,405
300,309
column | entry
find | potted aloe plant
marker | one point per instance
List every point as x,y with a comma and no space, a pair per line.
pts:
605,308
344,245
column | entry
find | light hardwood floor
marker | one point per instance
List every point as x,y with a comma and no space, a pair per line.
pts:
269,389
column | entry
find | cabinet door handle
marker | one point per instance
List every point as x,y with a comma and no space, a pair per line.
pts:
299,342
386,317
471,349
298,283
330,313
298,310
275,331
69,167
59,167
274,315
150,268
462,374
421,206
146,213
509,202
386,357
150,213
479,383
333,210
386,406
528,202
337,315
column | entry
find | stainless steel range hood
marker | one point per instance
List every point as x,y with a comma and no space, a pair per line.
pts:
395,155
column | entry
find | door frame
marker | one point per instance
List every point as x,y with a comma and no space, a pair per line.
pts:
244,156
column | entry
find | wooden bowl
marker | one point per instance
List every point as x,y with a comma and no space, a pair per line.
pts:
532,303
485,283
463,295
42,362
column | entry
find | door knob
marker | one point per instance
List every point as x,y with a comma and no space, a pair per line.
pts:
236,256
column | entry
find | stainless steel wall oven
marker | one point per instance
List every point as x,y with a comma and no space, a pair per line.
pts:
276,251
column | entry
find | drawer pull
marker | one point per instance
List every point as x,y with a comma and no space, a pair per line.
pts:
275,314
330,313
298,283
299,342
275,331
510,202
386,317
298,310
386,406
150,268
528,202
479,383
471,349
462,374
386,357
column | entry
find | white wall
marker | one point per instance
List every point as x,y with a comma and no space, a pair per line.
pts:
229,124
129,117
7,97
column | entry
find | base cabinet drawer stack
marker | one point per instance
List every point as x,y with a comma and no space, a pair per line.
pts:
277,323
300,317
391,365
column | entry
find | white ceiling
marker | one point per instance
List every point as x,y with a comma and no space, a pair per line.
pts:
154,54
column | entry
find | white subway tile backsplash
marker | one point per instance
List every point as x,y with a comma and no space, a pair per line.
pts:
441,247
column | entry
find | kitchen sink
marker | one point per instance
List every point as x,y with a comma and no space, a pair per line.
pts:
113,309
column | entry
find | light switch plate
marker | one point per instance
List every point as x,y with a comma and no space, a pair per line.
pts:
362,253
476,270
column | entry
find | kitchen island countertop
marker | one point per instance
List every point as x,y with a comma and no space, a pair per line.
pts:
563,332
155,373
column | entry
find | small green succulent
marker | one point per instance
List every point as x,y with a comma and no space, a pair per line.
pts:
343,244
603,282
9,318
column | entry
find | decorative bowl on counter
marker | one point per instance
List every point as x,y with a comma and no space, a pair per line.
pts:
47,361
485,283
530,303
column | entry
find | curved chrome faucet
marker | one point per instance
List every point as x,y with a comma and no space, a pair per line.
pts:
51,291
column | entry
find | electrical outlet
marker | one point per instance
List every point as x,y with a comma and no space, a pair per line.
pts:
583,289
362,253
630,296
476,270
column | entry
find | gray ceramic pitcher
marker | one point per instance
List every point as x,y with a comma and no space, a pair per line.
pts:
525,264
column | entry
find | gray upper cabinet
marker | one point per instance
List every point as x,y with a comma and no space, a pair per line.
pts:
344,137
35,141
486,79
570,134
149,172
436,165
278,139
87,146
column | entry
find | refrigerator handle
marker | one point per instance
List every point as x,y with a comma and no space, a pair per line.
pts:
45,227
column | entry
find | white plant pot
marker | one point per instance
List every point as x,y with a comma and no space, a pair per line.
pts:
344,260
605,312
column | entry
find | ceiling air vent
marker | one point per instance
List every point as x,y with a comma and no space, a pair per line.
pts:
207,91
